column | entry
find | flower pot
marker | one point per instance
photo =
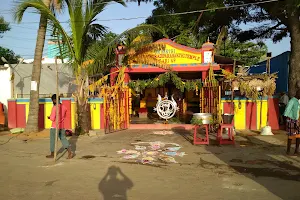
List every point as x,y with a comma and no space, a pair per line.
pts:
227,118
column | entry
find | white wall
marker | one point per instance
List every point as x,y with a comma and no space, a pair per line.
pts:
5,84
5,87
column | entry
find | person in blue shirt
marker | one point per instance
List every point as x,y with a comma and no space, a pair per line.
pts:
292,114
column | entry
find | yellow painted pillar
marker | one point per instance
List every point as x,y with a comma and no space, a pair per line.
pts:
47,112
73,114
95,115
240,114
262,112
26,110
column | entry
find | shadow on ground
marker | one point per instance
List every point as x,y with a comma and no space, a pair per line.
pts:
73,142
111,187
256,158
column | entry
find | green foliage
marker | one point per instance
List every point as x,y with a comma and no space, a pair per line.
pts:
4,26
249,53
162,79
194,29
9,55
196,121
101,55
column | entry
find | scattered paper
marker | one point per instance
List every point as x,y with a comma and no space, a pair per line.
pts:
173,148
140,148
132,156
34,85
163,132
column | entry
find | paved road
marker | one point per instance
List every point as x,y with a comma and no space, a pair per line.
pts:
256,168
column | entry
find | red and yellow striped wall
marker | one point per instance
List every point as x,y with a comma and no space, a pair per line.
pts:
18,110
253,115
248,114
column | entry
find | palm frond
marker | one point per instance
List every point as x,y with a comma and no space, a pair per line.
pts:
52,20
23,5
146,55
100,54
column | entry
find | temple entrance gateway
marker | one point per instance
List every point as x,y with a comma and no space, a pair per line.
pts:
188,80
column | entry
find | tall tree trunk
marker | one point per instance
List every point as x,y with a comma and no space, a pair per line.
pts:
294,68
83,112
32,123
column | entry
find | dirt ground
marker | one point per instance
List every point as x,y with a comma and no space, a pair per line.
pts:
256,167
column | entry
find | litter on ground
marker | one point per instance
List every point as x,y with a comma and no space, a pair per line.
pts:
163,132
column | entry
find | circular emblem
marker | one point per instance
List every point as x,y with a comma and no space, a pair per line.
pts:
166,109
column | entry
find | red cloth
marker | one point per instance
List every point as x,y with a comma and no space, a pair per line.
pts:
62,116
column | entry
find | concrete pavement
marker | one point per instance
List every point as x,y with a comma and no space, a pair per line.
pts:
255,168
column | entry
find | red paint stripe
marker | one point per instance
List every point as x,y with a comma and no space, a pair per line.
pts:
68,120
12,114
102,119
41,116
21,115
273,113
176,69
251,115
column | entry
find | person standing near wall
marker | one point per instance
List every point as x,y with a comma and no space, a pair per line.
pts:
283,101
292,114
61,131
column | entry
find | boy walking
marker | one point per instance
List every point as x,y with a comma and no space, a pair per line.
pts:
61,132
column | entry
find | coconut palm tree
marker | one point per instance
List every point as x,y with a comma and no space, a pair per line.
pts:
32,123
82,17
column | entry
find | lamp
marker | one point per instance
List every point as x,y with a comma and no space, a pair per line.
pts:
120,47
120,53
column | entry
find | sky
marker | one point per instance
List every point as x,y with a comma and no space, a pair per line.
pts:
22,37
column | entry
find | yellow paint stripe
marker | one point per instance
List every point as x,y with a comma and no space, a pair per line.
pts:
262,111
73,115
47,112
240,115
95,115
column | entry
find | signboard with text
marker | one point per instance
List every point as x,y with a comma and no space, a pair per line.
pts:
177,54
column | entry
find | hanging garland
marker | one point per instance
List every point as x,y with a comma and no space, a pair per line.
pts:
162,79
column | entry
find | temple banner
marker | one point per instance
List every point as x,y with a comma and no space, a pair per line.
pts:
176,54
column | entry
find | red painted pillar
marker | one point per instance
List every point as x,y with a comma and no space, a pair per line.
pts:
127,77
12,114
273,113
204,75
251,115
67,122
21,115
102,118
41,116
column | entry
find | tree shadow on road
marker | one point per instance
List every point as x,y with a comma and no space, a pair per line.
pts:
263,162
111,187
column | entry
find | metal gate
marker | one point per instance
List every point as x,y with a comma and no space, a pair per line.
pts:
116,109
